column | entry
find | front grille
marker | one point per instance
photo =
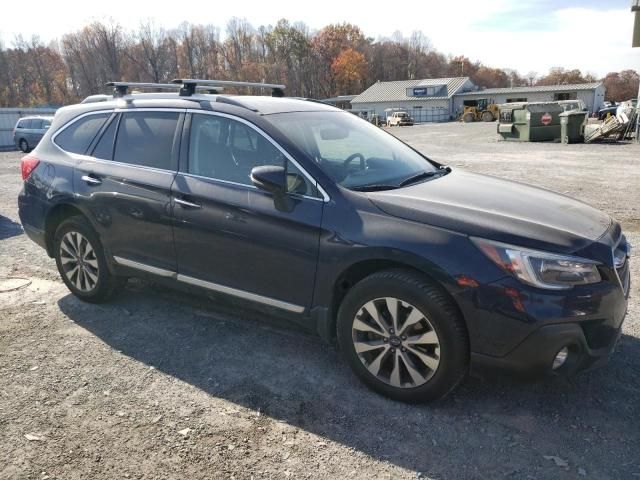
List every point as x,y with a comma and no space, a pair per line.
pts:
621,263
598,333
624,275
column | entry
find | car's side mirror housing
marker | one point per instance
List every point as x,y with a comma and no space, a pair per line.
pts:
270,178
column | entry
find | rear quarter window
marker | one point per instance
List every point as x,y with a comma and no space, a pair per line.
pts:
23,123
77,137
104,148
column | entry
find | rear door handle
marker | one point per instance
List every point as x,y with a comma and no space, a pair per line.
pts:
186,204
91,180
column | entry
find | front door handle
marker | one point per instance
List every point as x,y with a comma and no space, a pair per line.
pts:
91,180
186,204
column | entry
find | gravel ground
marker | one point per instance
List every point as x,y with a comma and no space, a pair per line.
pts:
164,384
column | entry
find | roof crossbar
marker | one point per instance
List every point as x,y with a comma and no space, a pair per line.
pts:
120,89
190,84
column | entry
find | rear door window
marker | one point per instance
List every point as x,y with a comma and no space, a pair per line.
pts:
146,139
77,137
36,124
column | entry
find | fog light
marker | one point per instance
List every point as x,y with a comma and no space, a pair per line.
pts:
561,357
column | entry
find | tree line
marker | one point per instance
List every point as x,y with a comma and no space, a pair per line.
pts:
336,60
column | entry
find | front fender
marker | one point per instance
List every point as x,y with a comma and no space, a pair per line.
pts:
373,236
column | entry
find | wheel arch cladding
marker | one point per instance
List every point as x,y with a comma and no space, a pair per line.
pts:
362,269
55,217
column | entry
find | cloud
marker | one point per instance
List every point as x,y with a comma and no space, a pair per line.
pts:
590,39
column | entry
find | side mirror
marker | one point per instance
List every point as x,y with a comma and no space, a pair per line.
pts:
270,178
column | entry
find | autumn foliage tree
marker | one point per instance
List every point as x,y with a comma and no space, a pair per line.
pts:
561,76
327,45
621,86
349,68
337,59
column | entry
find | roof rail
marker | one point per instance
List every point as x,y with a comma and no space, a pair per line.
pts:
189,85
120,89
314,100
97,98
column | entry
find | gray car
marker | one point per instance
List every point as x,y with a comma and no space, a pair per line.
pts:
29,131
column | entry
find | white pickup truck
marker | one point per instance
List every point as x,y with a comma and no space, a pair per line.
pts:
398,119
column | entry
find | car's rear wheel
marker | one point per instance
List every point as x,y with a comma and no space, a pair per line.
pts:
24,145
403,336
81,261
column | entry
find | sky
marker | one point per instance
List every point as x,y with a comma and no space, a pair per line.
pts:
529,35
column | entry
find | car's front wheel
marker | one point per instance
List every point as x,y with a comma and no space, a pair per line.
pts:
81,261
403,336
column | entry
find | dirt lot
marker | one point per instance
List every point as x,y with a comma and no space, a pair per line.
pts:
162,384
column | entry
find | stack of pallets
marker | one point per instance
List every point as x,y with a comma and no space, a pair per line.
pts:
617,126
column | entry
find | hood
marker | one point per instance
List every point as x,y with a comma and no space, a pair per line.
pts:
497,209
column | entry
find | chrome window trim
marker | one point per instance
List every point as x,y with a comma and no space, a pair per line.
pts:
210,285
88,158
80,156
250,187
325,197
71,122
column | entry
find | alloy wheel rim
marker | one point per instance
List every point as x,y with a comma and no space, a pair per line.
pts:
79,261
396,342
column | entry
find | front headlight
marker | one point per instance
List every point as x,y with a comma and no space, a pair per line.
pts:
540,269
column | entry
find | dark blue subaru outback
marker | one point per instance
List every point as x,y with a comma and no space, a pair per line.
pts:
422,273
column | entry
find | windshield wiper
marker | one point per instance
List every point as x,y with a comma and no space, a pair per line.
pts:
424,175
373,188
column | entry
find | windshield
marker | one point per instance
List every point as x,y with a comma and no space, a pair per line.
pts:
353,152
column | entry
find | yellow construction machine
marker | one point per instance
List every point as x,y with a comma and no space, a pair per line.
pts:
479,110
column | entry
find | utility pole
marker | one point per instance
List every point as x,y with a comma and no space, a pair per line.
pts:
635,42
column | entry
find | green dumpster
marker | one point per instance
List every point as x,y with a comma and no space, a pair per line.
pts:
572,126
530,122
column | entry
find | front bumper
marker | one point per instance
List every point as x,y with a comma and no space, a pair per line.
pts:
519,330
534,357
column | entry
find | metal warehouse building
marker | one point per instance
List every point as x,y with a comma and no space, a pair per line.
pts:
592,94
427,100
442,99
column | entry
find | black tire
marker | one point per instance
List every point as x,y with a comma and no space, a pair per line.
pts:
487,117
24,145
468,117
441,313
106,284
